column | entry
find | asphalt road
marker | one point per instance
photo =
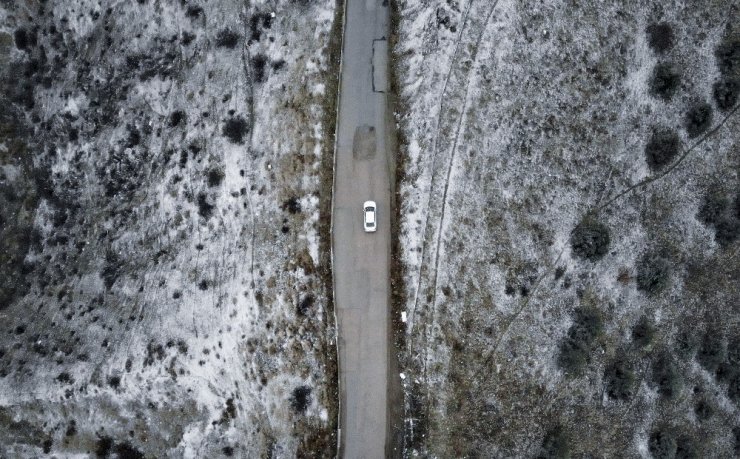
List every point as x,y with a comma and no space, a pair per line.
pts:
361,260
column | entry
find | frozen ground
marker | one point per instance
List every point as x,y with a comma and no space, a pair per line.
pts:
162,277
570,227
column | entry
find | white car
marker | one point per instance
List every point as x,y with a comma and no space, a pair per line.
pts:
370,221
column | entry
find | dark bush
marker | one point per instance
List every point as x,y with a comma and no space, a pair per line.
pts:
662,444
228,451
666,376
111,269
727,231
711,351
660,36
194,11
662,147
576,347
703,410
71,429
301,399
292,205
653,273
205,209
227,39
259,62
590,239
177,117
665,81
114,382
643,333
713,207
24,39
686,448
725,93
235,129
46,445
555,445
126,451
103,447
620,380
215,177
728,58
305,305
733,388
698,119
187,38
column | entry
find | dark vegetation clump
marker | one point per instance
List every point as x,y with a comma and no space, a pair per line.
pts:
292,205
728,57
698,119
703,410
713,207
653,273
662,444
715,211
205,209
577,346
147,66
111,269
227,38
71,429
215,177
259,61
686,448
194,11
24,39
590,239
126,451
662,147
235,129
103,447
300,399
305,305
620,380
555,445
228,413
666,376
177,117
660,37
154,351
711,351
228,451
665,81
46,445
114,382
725,93
643,333
257,23
187,38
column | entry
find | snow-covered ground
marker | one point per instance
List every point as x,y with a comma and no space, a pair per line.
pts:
163,286
570,227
